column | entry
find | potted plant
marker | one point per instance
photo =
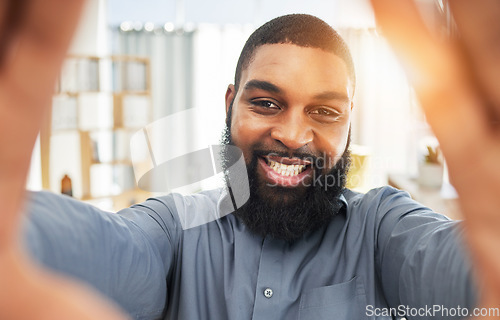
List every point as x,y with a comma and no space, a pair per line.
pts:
430,170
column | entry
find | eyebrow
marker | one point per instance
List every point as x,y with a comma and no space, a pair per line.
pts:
331,95
270,87
262,85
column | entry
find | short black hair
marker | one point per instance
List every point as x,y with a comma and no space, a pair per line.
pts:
300,29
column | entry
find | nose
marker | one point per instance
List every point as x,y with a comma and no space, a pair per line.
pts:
293,130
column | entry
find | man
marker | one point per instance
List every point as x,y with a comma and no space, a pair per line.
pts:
297,249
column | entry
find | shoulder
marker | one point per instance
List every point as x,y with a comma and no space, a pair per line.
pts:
378,200
387,205
376,195
185,211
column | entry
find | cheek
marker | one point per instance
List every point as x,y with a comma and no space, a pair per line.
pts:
246,128
334,146
245,135
240,133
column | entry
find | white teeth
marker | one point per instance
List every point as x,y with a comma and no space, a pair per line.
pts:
286,170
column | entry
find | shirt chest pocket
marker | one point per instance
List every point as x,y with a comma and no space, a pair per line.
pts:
341,301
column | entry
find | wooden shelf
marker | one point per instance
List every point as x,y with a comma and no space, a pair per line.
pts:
115,93
113,162
83,78
97,130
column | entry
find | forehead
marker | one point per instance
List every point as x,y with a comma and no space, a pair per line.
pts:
292,66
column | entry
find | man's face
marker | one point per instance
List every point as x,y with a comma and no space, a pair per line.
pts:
291,113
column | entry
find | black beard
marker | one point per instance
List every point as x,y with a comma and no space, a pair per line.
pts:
289,213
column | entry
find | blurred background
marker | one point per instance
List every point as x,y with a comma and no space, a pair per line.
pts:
135,62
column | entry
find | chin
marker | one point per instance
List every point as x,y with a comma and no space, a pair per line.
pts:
277,196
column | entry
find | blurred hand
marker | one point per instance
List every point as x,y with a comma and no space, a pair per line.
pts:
458,85
34,37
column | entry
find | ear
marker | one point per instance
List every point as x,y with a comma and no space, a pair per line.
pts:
230,94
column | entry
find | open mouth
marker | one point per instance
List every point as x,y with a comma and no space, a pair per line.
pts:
286,169
286,172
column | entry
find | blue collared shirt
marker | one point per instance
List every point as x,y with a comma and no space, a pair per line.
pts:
382,251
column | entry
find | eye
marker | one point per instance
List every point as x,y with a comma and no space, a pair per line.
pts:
265,107
325,114
265,104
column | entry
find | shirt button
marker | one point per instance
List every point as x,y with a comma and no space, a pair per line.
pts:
268,293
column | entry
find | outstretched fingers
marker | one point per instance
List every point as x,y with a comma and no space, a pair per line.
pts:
33,47
479,26
11,16
458,85
33,52
438,76
41,45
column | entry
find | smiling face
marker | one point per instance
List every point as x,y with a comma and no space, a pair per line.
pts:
291,112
